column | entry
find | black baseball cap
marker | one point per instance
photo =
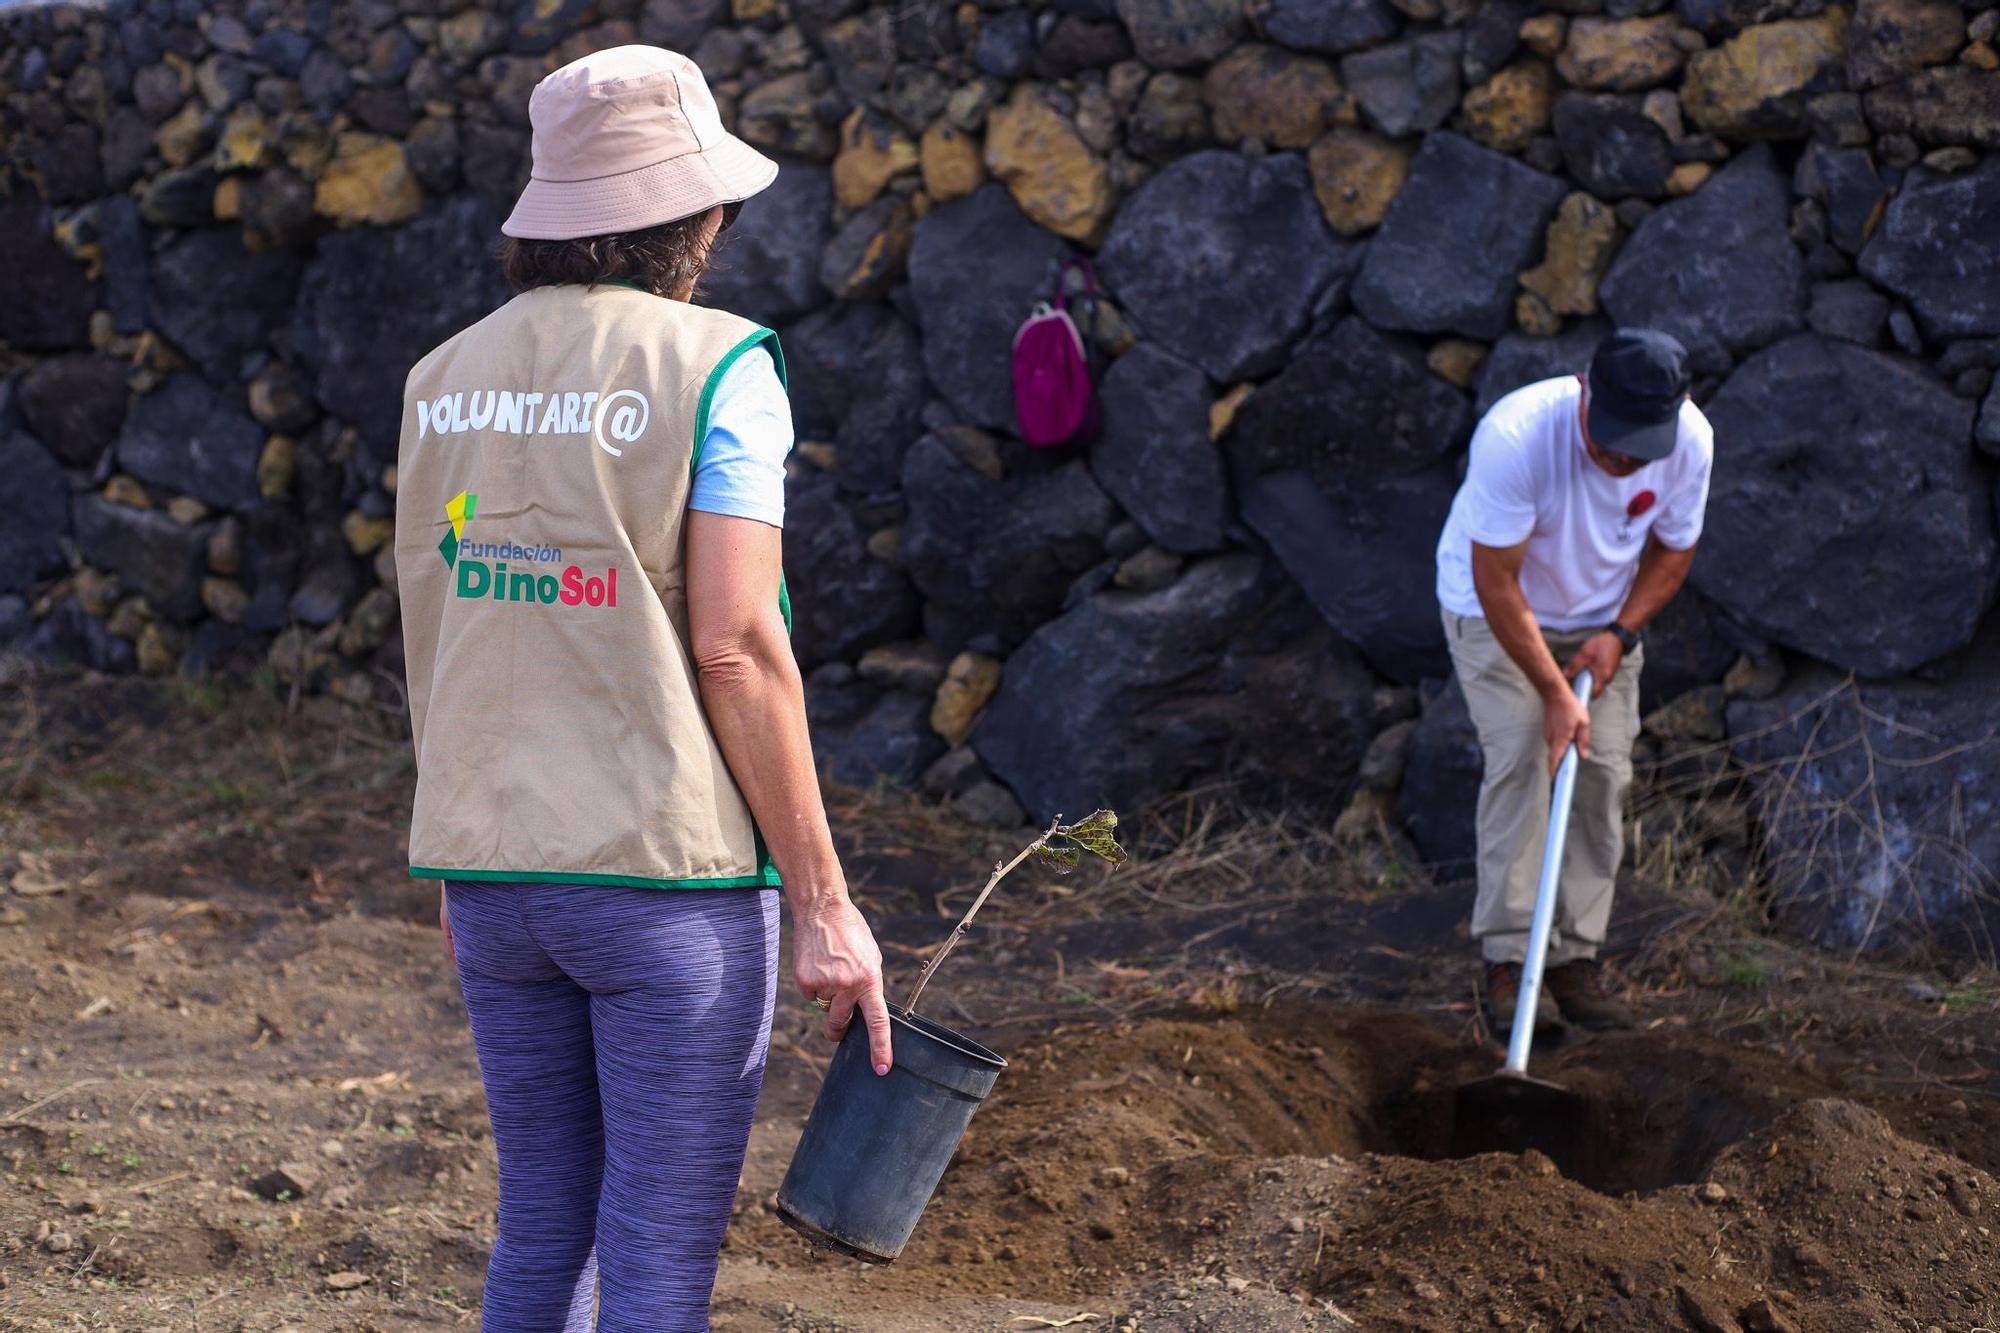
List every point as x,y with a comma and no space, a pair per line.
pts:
1637,380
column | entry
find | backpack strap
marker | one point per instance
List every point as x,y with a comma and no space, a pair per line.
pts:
1089,278
1060,301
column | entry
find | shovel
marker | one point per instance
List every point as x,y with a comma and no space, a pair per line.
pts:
1510,1110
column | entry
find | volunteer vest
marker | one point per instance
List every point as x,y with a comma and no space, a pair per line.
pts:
543,474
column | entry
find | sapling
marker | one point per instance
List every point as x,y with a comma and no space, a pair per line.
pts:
1061,848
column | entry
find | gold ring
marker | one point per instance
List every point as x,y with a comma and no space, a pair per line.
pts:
822,1002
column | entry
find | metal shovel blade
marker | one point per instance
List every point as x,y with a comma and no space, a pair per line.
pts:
1510,1112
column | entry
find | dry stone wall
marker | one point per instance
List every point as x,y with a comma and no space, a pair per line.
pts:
1330,233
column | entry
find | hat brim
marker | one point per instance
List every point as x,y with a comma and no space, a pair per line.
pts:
1649,441
663,192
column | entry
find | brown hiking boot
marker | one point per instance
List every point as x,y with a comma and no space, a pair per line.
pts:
1503,992
1583,989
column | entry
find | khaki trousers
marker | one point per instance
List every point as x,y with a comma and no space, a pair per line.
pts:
1514,795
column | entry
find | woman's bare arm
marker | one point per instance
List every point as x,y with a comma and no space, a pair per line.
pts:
755,702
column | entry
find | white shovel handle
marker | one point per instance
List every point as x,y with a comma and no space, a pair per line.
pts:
1523,1035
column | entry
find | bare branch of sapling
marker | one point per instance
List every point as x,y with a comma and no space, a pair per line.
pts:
1060,847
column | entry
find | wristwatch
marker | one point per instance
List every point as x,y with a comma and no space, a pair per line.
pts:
1627,639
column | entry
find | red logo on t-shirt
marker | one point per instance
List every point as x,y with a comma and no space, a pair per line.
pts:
1640,504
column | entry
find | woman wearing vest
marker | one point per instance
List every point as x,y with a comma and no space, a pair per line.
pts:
613,773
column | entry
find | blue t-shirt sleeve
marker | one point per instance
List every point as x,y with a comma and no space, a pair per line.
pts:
741,471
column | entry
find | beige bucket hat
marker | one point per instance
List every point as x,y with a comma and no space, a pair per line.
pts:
628,138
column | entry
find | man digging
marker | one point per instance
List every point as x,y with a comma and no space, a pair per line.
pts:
1574,527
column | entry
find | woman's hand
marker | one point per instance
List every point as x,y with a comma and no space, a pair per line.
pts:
834,958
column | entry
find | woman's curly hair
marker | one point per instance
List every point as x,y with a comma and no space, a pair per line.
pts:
661,259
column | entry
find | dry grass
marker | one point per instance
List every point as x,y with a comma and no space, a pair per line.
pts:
1189,854
210,756
202,761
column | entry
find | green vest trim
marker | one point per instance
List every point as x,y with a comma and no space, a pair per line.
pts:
729,359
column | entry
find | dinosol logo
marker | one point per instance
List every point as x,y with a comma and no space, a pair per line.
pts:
492,580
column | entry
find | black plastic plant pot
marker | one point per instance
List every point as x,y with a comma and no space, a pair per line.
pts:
875,1146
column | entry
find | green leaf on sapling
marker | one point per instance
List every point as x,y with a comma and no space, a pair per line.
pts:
1062,858
1096,833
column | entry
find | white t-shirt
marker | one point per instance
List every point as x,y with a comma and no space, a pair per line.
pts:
1530,479
741,471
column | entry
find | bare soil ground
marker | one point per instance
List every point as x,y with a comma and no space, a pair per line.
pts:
1230,1104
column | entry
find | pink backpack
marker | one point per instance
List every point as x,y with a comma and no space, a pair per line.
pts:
1053,397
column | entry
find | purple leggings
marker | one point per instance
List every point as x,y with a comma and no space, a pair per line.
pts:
621,1036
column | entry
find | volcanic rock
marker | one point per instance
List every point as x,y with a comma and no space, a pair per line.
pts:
1717,270
1054,176
1006,45
368,181
1934,249
952,164
1756,85
1870,547
1621,54
1342,465
1128,696
870,251
436,272
1216,223
1891,38
782,115
151,553
1521,358
976,269
767,268
1171,118
1509,110
1949,104
1180,34
996,557
1845,183
1688,645
75,404
1408,86
1441,778
191,440
1445,258
217,300
1576,253
862,736
1356,175
1896,863
844,600
882,422
1155,457
821,353
1852,310
1331,26
1612,146
45,296
1270,94
71,634
35,499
